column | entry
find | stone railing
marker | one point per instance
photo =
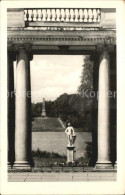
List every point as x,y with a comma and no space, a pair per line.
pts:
62,15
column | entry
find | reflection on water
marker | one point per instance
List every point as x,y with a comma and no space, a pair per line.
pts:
57,141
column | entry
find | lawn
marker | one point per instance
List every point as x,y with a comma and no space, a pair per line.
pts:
46,124
51,124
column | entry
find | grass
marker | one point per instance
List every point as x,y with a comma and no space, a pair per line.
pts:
49,124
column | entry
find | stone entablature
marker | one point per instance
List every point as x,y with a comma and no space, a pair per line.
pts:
74,40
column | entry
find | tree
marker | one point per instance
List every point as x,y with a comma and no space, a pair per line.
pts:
86,76
85,88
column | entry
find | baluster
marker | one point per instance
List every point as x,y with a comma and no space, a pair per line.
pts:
67,15
62,15
34,15
44,14
58,14
76,15
90,15
25,15
85,15
98,18
71,15
53,15
48,15
81,15
30,15
95,15
39,14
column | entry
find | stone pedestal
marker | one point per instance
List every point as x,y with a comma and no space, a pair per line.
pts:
70,154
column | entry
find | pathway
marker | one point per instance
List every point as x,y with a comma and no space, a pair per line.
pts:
61,177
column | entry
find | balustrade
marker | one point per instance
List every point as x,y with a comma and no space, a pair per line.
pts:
63,15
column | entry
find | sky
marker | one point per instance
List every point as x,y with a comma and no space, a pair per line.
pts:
53,75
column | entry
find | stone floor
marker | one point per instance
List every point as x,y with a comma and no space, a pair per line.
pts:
61,176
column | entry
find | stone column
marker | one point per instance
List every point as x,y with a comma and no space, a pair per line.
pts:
11,107
21,124
103,161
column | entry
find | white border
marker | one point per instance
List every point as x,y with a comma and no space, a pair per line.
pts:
117,187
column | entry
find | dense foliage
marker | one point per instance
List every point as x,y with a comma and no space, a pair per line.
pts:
86,76
70,108
73,108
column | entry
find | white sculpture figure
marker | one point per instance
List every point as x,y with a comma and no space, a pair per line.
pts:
70,134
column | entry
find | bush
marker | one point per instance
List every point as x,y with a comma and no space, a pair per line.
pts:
88,152
45,154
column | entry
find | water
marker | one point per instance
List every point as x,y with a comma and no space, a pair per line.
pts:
57,142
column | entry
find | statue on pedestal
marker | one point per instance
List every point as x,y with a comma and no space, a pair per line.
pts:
71,140
71,135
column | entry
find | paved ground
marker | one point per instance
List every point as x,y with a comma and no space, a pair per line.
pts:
62,177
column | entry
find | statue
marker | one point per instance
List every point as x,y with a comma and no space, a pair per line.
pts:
71,135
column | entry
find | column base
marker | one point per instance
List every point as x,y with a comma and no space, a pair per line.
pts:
103,166
22,165
115,166
9,166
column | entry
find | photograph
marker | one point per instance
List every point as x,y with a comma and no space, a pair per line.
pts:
61,111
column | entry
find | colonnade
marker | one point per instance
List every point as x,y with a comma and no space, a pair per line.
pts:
22,131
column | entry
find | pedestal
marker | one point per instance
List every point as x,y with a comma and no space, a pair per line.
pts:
70,154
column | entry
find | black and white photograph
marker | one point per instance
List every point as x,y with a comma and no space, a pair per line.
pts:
61,102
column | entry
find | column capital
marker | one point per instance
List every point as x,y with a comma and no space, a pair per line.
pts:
18,47
105,47
25,47
11,55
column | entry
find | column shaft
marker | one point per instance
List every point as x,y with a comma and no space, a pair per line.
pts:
103,161
11,109
21,134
